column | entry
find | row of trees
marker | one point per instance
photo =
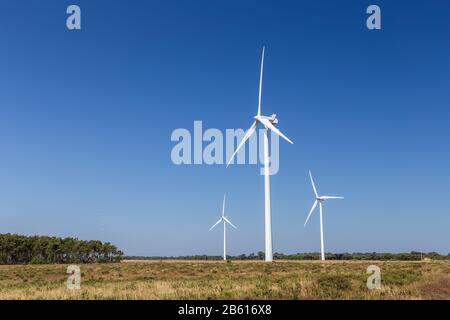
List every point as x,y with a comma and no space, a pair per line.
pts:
18,249
409,256
403,256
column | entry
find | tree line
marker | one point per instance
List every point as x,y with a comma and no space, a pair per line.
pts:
383,256
19,249
406,256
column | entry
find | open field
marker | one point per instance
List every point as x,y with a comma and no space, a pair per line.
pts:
233,280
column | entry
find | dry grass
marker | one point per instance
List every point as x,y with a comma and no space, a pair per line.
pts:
235,280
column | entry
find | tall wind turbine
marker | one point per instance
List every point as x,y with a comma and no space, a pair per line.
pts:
225,220
319,200
269,123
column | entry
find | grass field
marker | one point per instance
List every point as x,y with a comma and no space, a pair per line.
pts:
233,280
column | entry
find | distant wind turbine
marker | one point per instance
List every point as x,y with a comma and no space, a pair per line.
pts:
269,123
319,200
225,220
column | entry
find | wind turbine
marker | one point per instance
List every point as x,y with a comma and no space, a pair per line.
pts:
225,220
269,123
319,200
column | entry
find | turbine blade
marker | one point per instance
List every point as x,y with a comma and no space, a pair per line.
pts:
218,221
269,125
310,212
313,185
246,137
260,82
223,205
228,221
332,197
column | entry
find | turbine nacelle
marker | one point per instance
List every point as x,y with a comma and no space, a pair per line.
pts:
272,118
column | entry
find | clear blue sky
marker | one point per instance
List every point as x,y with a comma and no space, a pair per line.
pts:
86,118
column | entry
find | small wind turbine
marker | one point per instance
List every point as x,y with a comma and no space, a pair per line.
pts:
269,123
225,220
319,200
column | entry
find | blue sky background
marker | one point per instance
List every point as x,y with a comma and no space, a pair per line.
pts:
86,118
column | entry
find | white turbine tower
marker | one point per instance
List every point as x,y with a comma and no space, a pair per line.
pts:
319,200
268,122
225,220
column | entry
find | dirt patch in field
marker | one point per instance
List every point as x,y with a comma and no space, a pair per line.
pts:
437,288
